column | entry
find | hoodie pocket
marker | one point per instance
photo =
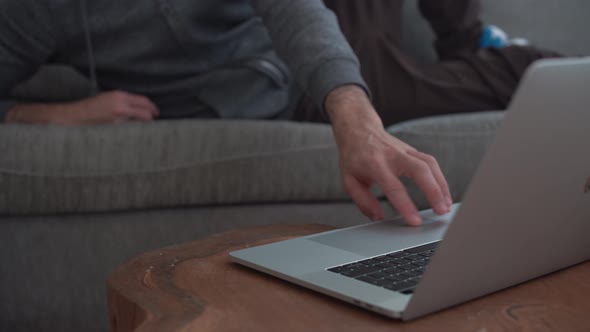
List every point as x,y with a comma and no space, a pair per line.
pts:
269,69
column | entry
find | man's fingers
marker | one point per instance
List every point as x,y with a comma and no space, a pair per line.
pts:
136,113
363,198
397,195
421,173
143,102
140,108
437,173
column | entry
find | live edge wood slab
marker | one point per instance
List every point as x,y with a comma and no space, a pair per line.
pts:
195,287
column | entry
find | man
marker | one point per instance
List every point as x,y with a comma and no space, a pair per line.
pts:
214,58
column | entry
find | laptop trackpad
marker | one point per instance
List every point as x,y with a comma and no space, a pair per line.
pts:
382,237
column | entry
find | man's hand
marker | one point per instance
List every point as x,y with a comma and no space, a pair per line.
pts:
369,155
107,107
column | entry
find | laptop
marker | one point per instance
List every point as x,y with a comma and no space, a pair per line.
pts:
526,214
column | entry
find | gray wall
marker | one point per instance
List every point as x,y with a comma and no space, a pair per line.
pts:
556,25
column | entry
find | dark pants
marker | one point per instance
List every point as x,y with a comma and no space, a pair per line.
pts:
465,79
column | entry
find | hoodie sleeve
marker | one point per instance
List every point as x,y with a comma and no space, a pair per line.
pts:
27,40
307,37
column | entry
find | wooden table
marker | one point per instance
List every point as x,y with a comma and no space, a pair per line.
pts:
195,287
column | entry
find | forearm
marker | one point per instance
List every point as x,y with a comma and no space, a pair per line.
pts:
307,37
39,113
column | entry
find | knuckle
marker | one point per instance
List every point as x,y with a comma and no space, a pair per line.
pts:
372,156
119,111
394,156
119,96
420,167
430,159
368,161
393,189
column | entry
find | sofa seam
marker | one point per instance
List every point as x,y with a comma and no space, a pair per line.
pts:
163,169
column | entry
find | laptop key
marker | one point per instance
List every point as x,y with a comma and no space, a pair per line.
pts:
359,272
354,266
392,287
366,279
410,274
406,267
349,273
420,263
423,248
398,254
395,278
414,258
378,275
398,261
394,270
382,258
404,285
336,269
382,282
371,261
385,265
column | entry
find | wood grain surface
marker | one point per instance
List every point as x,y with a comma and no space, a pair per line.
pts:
195,287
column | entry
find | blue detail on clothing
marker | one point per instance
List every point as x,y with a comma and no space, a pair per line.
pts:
493,37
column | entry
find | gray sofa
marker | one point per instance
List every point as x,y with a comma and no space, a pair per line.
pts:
77,202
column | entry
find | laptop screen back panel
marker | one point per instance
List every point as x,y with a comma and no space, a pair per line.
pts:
527,211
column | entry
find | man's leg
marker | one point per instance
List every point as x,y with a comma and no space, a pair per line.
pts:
456,23
477,80
403,89
356,16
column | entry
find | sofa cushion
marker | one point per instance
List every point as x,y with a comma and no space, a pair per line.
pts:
204,162
163,164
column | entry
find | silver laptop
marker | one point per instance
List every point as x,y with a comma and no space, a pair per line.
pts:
526,214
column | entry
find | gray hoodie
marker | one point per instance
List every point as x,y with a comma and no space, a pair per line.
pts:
242,58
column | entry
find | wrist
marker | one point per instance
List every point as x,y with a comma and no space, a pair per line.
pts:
38,113
349,105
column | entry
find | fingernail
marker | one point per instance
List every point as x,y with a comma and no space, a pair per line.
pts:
443,208
374,216
415,220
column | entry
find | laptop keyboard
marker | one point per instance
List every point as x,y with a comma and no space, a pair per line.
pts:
399,271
